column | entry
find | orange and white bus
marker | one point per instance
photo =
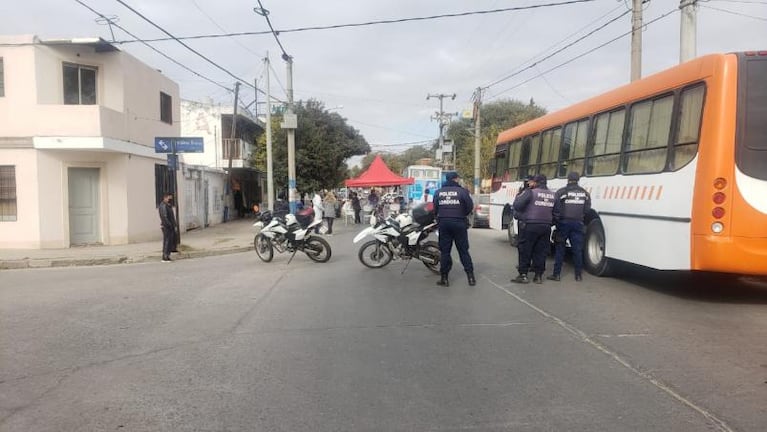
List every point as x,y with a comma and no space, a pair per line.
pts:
676,164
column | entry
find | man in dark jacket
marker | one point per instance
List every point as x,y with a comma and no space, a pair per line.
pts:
168,224
571,204
535,204
452,204
356,207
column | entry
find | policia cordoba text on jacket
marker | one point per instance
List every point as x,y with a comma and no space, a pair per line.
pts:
452,205
533,207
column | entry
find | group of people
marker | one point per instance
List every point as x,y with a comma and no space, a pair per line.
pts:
536,209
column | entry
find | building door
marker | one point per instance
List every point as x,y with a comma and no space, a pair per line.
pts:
83,206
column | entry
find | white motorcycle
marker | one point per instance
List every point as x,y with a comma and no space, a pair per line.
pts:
292,234
398,238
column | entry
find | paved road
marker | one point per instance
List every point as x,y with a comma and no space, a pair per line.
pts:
231,343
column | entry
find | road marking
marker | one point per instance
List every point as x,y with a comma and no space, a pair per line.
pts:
583,337
622,335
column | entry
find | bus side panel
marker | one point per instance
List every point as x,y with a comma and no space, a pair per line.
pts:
646,218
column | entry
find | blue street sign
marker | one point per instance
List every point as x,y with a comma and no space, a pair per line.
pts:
182,144
172,162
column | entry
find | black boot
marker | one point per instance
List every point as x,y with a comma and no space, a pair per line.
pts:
470,276
443,280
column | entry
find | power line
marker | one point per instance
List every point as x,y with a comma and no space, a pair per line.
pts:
265,13
369,23
184,45
210,18
155,49
580,55
405,144
734,13
534,64
565,39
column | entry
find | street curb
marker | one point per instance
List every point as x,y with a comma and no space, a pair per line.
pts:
35,263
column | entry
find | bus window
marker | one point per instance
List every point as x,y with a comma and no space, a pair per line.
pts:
550,152
691,109
515,150
647,146
604,154
530,151
574,147
501,160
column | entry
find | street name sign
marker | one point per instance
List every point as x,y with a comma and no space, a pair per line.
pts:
178,145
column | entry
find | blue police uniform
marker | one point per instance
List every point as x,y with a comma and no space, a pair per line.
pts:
535,205
571,204
452,204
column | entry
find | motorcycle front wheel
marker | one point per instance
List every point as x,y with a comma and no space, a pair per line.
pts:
317,249
430,256
374,254
264,248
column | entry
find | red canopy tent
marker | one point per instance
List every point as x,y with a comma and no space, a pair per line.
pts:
378,174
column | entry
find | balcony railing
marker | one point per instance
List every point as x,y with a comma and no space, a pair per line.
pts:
236,147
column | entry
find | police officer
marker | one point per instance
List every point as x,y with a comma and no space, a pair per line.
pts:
571,203
452,205
520,217
536,205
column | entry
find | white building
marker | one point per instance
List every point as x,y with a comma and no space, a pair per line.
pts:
78,120
207,195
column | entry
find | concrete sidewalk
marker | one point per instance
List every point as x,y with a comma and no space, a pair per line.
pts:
231,237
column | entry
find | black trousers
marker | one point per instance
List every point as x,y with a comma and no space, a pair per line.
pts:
451,231
168,241
534,246
357,215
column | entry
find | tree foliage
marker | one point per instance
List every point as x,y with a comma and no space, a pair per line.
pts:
495,117
323,142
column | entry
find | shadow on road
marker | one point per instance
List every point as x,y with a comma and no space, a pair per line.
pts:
700,286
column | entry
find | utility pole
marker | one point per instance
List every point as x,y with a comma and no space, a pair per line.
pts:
230,147
290,122
477,140
269,167
687,30
636,40
442,118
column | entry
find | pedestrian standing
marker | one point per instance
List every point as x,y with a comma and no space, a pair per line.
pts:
329,205
536,205
317,207
520,217
168,225
571,204
452,205
356,207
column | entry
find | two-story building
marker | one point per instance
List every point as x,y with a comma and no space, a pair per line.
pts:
210,198
78,119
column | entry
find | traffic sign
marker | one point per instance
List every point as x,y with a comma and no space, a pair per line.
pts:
178,145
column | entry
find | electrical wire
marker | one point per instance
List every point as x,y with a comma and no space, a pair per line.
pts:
265,13
557,51
156,50
564,39
734,13
581,55
157,26
210,18
370,23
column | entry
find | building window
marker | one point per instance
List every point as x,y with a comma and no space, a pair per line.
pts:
7,193
79,84
166,108
2,79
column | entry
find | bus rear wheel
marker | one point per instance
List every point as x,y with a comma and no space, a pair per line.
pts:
594,258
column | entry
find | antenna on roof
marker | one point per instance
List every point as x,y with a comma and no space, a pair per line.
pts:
108,20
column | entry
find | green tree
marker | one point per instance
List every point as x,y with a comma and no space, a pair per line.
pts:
496,117
323,142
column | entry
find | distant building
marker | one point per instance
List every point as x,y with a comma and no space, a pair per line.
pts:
78,118
211,196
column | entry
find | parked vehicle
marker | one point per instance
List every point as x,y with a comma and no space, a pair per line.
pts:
292,234
481,215
401,237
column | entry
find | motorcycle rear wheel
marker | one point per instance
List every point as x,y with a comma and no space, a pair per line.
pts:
374,254
264,248
430,251
317,249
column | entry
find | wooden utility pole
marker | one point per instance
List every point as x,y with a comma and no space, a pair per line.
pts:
636,40
233,133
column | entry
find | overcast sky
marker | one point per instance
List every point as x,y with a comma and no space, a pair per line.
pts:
381,74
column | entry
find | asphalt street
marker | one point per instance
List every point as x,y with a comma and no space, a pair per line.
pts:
229,343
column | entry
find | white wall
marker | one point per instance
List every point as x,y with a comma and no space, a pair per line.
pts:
23,233
202,120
